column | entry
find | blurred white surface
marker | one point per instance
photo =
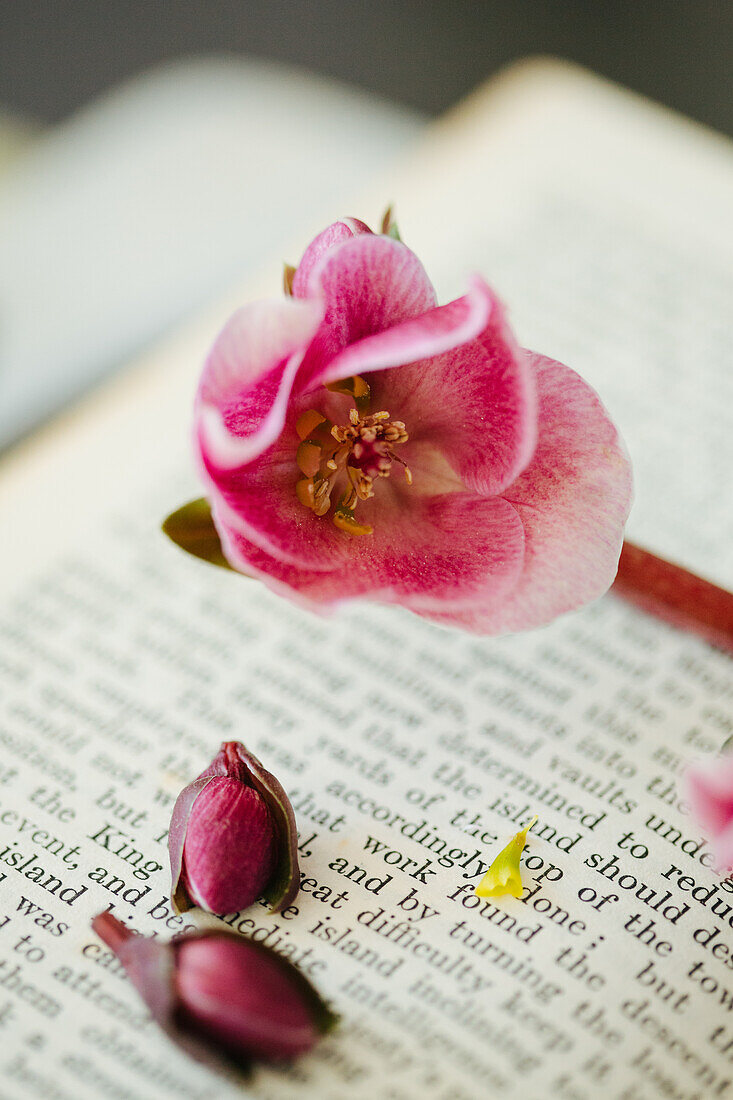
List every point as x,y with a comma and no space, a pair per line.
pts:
143,206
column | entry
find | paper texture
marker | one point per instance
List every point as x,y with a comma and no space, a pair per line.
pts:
411,754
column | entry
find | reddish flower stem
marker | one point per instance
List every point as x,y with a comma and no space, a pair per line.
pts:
112,931
679,597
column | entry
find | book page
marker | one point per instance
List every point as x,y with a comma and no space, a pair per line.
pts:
607,225
411,753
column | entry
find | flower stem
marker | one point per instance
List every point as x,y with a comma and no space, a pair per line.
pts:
113,932
675,595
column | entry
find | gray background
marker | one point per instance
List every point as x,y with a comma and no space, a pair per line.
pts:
426,53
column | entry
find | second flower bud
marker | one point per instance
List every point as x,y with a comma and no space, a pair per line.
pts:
233,837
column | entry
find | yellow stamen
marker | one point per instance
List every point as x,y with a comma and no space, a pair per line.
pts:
308,422
354,387
322,504
345,521
308,456
304,491
347,458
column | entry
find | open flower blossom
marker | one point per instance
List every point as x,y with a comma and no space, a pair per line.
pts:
710,793
218,993
233,837
359,440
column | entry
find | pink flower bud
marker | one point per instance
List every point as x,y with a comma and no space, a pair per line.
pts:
219,992
233,837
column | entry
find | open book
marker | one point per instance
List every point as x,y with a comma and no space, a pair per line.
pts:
411,753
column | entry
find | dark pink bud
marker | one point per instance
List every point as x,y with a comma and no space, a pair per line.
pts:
233,837
216,991
230,849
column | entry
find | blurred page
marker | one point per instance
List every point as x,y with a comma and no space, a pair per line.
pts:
411,753
153,200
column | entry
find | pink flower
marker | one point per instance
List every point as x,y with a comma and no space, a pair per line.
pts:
710,792
357,439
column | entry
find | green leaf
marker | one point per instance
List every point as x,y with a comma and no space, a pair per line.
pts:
389,225
192,528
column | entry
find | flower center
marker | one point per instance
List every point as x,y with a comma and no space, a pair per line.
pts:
342,461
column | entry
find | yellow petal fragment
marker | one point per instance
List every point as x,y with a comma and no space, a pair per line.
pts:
308,422
503,876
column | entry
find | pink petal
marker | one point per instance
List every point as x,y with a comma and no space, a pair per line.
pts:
368,284
475,403
371,283
334,234
710,791
573,499
246,383
441,551
440,329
